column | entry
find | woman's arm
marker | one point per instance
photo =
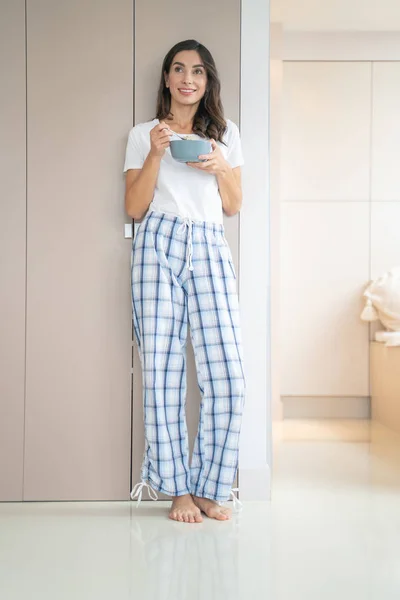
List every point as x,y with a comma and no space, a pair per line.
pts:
230,189
229,180
141,183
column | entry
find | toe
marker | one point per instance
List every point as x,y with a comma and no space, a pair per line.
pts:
221,516
198,517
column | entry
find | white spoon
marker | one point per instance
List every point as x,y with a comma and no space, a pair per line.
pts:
177,134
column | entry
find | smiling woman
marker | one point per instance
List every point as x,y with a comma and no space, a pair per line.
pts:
183,274
189,75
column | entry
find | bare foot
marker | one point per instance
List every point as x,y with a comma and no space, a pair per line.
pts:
212,509
184,509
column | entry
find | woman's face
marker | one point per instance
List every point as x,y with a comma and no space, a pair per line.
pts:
187,78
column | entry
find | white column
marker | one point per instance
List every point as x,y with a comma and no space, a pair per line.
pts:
275,111
254,281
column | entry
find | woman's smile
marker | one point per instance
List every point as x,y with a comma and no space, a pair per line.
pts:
186,91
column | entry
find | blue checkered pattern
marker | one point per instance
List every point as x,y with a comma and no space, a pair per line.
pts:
167,296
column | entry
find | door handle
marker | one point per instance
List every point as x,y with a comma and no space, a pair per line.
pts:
128,230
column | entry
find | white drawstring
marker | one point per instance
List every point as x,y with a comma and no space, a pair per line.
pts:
138,491
237,505
189,224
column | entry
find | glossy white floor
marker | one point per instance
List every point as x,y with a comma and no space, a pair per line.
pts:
332,531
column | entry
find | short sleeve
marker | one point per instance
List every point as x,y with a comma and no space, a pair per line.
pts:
134,156
234,151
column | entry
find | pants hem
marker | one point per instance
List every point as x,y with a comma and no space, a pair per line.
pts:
162,490
215,497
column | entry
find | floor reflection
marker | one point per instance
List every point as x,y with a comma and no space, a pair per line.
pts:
206,561
196,561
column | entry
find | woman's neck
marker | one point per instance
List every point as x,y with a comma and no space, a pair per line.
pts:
182,117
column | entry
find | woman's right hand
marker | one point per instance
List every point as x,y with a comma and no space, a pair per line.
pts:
159,139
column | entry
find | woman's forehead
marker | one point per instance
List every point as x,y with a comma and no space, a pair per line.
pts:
189,58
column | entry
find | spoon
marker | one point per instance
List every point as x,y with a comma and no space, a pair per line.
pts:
177,134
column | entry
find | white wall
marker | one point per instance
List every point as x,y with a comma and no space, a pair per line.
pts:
340,209
385,174
317,15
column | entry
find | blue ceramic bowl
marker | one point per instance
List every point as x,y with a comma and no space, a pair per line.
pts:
189,150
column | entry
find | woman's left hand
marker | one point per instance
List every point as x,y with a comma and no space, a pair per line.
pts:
214,162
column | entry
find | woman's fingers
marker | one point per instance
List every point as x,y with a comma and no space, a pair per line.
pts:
160,132
160,137
213,153
164,127
161,141
208,165
209,156
163,138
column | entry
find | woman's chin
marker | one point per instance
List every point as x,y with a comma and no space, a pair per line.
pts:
186,100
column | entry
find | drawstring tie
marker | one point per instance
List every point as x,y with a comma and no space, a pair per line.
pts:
237,505
189,224
138,491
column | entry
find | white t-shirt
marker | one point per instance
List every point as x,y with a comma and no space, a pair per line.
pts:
182,190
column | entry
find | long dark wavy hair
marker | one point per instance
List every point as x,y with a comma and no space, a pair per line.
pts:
209,119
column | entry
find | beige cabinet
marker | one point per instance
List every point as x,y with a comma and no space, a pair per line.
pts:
12,247
65,415
385,385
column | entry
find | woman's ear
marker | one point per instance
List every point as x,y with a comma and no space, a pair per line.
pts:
166,80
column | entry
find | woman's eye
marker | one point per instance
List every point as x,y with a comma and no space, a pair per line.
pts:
196,72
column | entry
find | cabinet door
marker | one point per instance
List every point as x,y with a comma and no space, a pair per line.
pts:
78,393
12,246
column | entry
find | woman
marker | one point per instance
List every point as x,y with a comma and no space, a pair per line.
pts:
182,273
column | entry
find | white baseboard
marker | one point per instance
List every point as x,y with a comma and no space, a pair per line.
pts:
326,407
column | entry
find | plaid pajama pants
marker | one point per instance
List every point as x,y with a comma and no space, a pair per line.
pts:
182,273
